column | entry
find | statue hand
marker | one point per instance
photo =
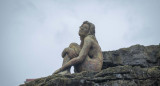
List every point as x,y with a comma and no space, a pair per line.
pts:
72,53
57,71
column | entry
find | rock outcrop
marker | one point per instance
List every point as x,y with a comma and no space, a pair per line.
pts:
134,66
137,55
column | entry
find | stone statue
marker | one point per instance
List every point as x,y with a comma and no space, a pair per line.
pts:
84,57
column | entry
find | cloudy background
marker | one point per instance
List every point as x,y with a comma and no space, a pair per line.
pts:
33,33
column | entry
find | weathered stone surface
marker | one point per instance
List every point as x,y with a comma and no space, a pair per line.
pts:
113,76
134,66
137,55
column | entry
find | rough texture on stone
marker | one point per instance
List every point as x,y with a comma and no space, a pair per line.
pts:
137,55
134,66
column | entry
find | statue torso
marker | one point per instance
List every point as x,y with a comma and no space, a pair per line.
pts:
94,59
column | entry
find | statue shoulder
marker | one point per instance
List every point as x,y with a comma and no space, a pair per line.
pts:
89,37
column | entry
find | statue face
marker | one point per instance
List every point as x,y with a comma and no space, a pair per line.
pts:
83,30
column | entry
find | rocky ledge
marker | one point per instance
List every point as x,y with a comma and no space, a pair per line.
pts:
134,66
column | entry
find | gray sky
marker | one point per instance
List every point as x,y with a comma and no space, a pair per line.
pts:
33,33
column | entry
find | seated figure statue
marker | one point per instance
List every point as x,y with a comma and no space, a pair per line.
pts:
84,57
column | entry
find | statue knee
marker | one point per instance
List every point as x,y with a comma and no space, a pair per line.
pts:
76,47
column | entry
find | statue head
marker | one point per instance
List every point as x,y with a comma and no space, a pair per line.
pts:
87,28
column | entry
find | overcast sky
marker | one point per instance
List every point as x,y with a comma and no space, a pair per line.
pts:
33,33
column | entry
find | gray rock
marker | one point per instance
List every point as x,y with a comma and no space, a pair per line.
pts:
137,55
113,76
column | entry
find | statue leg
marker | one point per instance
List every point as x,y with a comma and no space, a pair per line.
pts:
65,60
77,50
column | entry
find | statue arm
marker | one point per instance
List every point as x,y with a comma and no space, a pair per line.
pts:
83,54
64,52
70,52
